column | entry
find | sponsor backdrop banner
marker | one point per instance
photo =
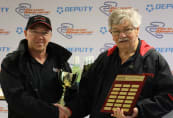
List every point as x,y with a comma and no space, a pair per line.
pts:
81,26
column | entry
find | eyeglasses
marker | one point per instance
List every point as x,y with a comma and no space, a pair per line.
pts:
44,33
125,31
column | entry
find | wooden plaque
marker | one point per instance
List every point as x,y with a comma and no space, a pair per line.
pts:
124,93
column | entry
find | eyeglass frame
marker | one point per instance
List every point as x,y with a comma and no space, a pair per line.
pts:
126,31
35,32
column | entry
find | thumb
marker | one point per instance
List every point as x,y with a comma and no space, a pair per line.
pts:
135,112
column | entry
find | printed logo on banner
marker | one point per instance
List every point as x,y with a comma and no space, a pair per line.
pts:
151,7
75,9
4,32
19,30
4,49
106,46
24,9
103,30
158,29
164,50
68,30
3,10
109,6
80,49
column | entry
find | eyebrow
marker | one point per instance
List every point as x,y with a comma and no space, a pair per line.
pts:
123,28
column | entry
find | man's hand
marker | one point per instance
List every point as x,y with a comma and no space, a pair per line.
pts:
63,111
119,113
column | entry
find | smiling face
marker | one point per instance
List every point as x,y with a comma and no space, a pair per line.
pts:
125,35
38,38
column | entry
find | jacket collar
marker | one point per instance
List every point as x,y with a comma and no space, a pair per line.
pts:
144,48
56,50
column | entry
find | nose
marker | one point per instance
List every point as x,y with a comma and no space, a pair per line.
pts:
41,36
122,34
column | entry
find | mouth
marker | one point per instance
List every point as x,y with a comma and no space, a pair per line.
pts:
39,43
122,40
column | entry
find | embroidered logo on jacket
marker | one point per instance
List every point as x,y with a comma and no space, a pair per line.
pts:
56,69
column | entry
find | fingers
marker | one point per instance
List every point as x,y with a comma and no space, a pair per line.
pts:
63,111
59,106
114,113
62,114
118,113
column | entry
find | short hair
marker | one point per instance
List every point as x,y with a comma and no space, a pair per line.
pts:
118,16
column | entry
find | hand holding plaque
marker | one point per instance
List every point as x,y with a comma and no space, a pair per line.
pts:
124,93
68,79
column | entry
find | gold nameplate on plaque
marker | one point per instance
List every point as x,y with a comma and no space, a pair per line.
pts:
124,93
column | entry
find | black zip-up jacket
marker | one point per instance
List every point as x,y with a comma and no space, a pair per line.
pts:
156,97
16,80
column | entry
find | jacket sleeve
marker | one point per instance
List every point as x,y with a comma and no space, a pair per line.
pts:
82,104
161,100
21,102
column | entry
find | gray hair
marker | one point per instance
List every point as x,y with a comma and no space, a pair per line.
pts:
118,16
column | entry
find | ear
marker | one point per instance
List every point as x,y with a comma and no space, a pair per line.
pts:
51,34
137,31
25,33
110,31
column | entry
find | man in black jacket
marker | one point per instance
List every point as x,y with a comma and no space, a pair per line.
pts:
130,56
29,77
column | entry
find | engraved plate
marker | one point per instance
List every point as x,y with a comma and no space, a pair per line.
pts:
125,89
117,105
130,97
109,104
128,101
126,105
112,96
119,101
123,93
130,93
134,90
135,86
118,85
121,97
107,108
114,93
126,85
111,100
116,89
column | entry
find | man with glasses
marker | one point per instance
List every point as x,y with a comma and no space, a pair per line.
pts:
130,56
29,77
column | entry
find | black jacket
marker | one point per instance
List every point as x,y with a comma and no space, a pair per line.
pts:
156,97
16,80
